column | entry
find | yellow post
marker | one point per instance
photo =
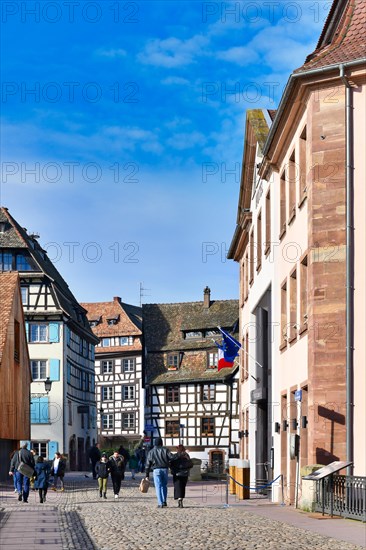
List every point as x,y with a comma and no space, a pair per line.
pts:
232,473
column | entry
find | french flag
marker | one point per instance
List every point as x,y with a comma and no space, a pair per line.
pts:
228,350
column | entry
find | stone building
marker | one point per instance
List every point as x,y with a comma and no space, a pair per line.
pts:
188,400
118,371
312,231
15,374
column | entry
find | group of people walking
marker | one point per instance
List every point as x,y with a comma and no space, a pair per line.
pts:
28,469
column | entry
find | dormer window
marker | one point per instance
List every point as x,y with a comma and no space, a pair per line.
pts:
93,322
173,361
212,332
193,334
22,263
112,320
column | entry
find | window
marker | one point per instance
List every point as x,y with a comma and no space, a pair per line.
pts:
246,275
6,261
24,291
303,167
304,294
129,365
128,421
172,428
212,332
116,341
16,341
69,408
39,410
172,394
38,333
107,367
251,250
292,180
39,370
107,393
126,341
128,393
173,361
282,205
22,263
293,305
40,447
208,392
208,426
107,421
259,240
268,224
283,314
194,334
212,359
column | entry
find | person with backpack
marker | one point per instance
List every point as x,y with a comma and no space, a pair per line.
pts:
180,465
102,469
117,467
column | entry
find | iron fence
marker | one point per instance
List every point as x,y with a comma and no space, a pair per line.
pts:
342,496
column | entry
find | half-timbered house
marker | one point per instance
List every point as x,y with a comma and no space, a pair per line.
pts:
15,375
188,400
61,348
118,371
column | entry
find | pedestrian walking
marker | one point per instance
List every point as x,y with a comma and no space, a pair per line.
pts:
158,460
58,471
11,473
133,465
126,457
117,467
33,478
22,481
42,474
103,469
180,466
141,455
94,457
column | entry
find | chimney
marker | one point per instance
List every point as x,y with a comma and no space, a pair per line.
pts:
206,297
117,299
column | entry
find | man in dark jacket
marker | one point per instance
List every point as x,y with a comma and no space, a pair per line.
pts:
22,481
158,461
116,463
94,456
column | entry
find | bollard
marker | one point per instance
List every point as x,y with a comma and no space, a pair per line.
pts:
232,473
243,478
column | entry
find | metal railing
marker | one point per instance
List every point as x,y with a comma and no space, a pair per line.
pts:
342,496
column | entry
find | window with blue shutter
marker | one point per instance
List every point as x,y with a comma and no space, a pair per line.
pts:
39,410
54,332
52,449
54,370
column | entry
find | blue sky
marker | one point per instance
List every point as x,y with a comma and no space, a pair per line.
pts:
122,133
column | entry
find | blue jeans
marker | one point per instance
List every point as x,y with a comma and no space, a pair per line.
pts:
161,484
22,484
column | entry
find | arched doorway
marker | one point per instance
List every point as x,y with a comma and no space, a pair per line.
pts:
72,453
216,459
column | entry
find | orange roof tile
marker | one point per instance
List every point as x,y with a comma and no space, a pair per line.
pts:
128,318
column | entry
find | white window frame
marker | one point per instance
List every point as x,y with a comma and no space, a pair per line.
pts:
107,363
108,421
107,393
40,447
38,340
130,364
126,390
128,421
38,367
24,292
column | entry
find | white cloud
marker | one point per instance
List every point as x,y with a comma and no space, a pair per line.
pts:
241,55
186,140
173,52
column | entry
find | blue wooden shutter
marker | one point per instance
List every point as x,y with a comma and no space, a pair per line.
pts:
43,409
34,411
54,370
52,449
54,332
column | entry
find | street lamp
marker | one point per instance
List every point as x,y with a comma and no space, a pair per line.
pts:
47,385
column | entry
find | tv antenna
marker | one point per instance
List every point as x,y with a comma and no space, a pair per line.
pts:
142,293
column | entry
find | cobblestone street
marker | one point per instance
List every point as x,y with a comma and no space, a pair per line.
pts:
79,519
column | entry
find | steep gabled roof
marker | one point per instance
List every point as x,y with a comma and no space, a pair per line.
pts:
165,326
342,38
128,318
16,237
9,281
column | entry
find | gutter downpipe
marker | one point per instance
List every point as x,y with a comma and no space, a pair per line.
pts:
349,272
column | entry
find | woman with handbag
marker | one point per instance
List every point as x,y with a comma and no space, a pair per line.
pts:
42,471
180,466
22,467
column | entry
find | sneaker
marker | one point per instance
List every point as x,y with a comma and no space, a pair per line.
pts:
62,489
164,505
115,496
20,497
104,496
15,490
26,501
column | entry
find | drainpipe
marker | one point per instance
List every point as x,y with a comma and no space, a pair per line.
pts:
349,271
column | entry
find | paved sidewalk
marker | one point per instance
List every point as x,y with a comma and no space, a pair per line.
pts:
30,529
